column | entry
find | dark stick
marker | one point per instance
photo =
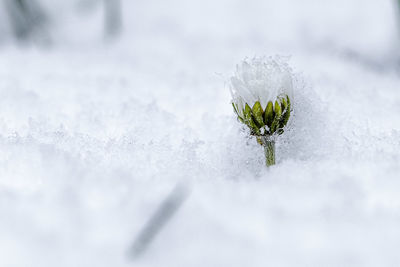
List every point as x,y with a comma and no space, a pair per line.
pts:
113,20
163,214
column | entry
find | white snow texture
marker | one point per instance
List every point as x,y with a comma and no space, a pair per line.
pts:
94,135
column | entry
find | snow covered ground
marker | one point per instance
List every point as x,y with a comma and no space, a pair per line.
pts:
94,135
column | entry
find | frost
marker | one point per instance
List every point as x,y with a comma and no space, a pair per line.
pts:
260,79
95,136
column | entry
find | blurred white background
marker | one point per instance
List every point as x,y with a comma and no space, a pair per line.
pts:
105,106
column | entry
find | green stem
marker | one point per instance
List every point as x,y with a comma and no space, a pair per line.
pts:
269,150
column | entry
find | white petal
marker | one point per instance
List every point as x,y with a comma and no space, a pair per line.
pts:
261,79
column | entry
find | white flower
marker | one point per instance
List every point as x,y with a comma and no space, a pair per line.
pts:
262,92
260,79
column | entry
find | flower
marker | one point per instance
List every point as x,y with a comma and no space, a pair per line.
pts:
262,91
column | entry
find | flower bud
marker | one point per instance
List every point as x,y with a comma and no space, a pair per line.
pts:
261,98
261,90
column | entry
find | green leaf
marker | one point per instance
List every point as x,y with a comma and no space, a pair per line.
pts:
258,114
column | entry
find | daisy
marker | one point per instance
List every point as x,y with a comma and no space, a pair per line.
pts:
262,90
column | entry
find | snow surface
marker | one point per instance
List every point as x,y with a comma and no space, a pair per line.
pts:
94,135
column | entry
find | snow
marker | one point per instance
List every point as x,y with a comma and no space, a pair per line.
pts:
94,135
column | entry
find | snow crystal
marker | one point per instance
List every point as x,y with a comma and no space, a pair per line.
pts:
94,137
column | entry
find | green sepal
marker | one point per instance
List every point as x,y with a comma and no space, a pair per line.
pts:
247,113
259,141
269,114
237,113
278,113
278,110
249,120
286,112
258,114
235,109
283,104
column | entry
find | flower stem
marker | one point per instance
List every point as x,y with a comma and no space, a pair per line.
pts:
269,150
